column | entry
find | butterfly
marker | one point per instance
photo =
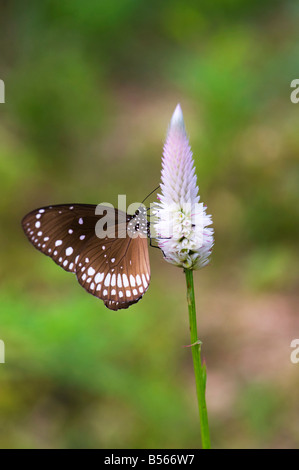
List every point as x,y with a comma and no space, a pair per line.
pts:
113,267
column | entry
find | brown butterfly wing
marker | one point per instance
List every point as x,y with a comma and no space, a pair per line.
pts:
116,270
61,231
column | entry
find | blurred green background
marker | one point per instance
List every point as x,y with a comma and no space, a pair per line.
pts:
90,89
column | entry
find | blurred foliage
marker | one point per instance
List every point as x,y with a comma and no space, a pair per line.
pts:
90,88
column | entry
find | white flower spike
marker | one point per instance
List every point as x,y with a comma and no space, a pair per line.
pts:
181,224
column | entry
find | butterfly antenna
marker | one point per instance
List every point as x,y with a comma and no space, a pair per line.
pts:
150,194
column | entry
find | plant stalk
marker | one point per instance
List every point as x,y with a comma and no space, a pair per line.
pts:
199,369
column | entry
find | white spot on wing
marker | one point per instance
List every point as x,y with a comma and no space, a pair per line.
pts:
145,283
91,271
125,280
69,251
99,277
58,242
107,280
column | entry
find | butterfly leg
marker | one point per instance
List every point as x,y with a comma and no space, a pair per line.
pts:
154,246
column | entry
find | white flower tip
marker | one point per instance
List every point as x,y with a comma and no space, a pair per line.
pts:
177,120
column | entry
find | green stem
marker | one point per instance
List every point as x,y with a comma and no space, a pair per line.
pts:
199,369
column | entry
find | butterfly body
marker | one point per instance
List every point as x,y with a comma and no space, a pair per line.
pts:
113,266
